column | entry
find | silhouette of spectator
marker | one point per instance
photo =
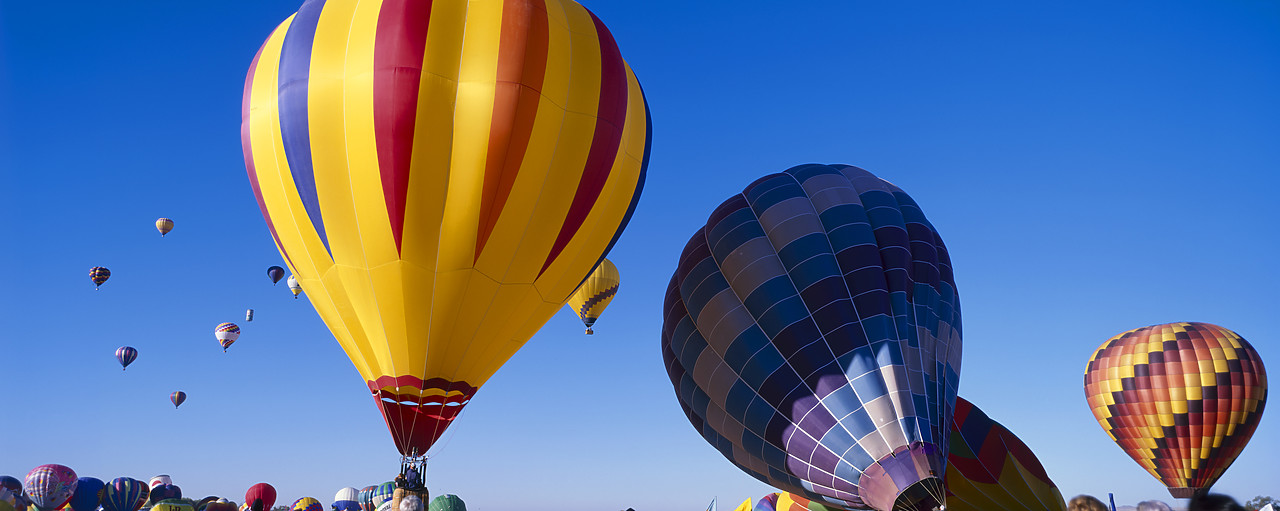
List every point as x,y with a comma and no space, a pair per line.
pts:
1214,502
1085,503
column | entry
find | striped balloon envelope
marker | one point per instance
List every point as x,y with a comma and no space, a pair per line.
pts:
990,469
812,334
98,275
164,225
48,487
1181,399
365,497
767,503
439,177
307,504
793,502
125,494
226,334
125,355
595,293
382,493
177,398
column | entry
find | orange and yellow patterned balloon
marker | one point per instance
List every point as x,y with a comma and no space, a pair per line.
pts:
1181,399
595,293
439,177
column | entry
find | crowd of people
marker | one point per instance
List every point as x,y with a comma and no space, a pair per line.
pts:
1205,502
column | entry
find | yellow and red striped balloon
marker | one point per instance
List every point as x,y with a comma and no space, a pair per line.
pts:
440,176
1181,399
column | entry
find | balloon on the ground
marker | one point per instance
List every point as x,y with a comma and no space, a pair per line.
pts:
275,273
812,334
164,225
440,206
366,498
767,503
294,286
165,491
990,469
88,494
221,505
307,504
226,334
346,499
125,355
125,494
793,502
201,504
98,275
1181,399
177,398
159,480
447,502
382,493
262,493
48,487
172,505
595,293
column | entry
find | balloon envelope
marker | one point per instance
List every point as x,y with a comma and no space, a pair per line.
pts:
767,503
595,293
307,504
159,480
366,498
990,469
447,502
440,206
88,495
177,398
275,273
226,333
294,286
382,493
163,492
164,225
125,494
261,491
172,506
812,334
98,275
125,355
1164,391
48,487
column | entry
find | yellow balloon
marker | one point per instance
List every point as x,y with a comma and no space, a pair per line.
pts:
595,293
439,177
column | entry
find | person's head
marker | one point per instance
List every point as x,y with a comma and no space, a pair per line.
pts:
1214,502
1153,505
1085,503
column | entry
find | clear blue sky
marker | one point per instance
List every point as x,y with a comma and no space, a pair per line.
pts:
1093,167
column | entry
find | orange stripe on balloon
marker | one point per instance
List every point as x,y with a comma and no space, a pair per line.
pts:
522,62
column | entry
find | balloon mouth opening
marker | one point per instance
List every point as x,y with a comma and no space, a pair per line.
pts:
925,495
1183,492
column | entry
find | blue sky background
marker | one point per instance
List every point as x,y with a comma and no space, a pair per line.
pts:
1092,166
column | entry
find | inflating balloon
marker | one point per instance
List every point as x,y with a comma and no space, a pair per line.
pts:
767,503
366,498
221,505
793,502
275,273
177,398
595,293
261,493
439,202
125,494
1181,399
125,355
88,494
172,505
164,225
294,286
447,502
990,469
382,493
226,334
48,487
165,491
812,334
307,504
159,480
347,499
98,275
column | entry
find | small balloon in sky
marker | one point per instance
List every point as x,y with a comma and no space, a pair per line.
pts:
227,333
275,273
99,275
595,293
164,225
294,286
248,315
177,398
126,355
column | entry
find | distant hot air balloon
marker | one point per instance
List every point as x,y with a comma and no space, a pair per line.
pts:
294,286
307,504
595,293
447,502
99,275
990,469
88,494
1181,399
164,225
226,333
366,498
48,487
812,334
441,205
263,492
125,494
248,315
382,493
347,499
275,273
177,398
126,355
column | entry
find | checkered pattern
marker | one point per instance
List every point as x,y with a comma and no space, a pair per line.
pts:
1181,399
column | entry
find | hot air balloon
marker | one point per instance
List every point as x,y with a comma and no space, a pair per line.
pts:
220,505
248,316
294,286
261,493
201,504
366,498
307,504
48,487
159,480
439,206
767,503
125,494
172,505
990,469
98,275
226,333
10,490
164,225
126,355
177,398
595,293
447,502
347,499
812,334
88,494
382,493
1181,399
162,492
275,273
793,502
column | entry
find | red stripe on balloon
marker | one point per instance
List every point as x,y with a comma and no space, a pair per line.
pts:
522,63
398,50
246,144
610,118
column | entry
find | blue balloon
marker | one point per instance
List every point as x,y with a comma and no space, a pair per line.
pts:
88,494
